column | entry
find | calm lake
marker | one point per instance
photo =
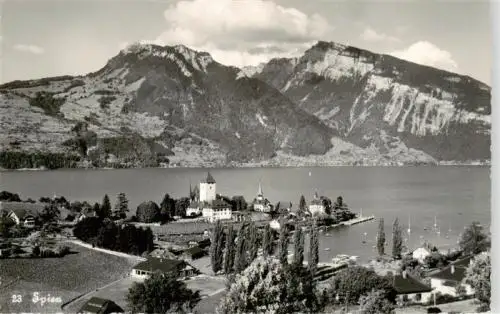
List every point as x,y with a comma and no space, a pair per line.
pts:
452,195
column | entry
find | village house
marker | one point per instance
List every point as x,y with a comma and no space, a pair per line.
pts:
178,268
449,278
217,210
316,207
21,213
410,289
260,203
100,306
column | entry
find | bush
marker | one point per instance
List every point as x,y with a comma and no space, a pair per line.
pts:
62,250
47,102
36,251
433,310
104,101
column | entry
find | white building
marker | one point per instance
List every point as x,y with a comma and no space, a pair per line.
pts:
207,189
178,268
420,254
260,203
316,206
217,210
274,224
447,279
194,209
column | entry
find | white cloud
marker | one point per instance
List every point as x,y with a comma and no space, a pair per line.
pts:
369,34
242,32
29,48
424,52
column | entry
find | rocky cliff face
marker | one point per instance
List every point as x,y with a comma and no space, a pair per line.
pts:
334,105
384,102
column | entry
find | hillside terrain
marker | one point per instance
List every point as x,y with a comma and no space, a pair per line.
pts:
173,106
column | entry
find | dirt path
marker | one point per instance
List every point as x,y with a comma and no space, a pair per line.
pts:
120,254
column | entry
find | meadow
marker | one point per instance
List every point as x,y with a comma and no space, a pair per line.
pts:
65,278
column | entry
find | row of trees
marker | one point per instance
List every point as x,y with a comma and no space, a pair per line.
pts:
472,241
232,252
31,160
107,234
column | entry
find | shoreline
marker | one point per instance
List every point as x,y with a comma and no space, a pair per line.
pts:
245,166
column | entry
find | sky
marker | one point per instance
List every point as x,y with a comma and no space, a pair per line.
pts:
41,38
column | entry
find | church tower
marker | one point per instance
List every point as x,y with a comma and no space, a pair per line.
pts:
260,195
207,189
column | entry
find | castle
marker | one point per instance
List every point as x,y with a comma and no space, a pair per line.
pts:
205,202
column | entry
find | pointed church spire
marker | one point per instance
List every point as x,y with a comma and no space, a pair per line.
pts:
260,190
190,190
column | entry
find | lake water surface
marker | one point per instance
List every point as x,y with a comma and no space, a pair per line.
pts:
453,195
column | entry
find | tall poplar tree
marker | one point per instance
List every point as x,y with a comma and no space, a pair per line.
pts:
253,242
283,244
302,205
240,256
298,246
267,241
105,207
397,240
216,248
381,237
313,249
229,251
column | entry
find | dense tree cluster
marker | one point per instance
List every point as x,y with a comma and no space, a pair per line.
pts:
107,234
47,102
161,293
474,240
267,286
21,159
350,284
478,276
9,197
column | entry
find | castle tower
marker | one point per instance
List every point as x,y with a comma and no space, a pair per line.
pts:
207,189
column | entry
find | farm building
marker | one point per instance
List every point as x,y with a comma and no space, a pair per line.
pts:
410,289
22,213
100,306
448,279
177,268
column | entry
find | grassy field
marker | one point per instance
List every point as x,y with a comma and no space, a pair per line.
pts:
209,304
67,277
206,284
118,291
466,306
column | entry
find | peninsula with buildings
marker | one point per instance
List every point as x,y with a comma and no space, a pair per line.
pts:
101,258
